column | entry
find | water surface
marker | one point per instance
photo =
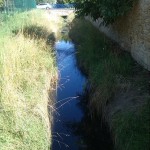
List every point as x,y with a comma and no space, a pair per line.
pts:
73,128
71,83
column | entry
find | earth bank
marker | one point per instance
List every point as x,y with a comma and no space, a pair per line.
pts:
119,87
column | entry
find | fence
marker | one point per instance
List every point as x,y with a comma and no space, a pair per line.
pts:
24,4
9,6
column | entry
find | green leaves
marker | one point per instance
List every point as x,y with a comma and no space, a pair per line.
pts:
108,10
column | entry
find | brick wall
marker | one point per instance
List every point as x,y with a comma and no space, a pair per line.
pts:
132,32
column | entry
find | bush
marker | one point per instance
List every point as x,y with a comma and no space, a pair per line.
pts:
119,88
108,10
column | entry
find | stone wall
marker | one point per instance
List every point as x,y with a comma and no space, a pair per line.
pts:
132,32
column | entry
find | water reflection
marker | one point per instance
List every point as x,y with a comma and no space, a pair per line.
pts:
93,131
70,84
73,127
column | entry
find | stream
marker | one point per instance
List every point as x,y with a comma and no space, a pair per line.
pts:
73,128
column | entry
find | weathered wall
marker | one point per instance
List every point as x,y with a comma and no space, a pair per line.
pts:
132,32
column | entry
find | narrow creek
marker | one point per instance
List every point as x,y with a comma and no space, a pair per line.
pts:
73,127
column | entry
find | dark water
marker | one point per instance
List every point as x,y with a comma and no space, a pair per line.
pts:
73,129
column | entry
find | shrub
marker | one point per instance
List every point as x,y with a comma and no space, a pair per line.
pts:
108,10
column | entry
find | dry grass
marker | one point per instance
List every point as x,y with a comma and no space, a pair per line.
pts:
27,73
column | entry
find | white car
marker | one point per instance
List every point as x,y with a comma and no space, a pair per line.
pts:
44,6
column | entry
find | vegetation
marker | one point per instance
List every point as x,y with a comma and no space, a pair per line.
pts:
45,1
108,10
133,129
65,1
101,64
55,1
118,86
1,3
27,72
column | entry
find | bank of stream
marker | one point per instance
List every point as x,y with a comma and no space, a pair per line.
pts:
73,126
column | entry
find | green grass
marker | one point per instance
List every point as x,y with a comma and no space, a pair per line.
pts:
133,129
27,76
102,64
114,79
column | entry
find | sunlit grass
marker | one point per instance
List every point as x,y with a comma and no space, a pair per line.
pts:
27,76
132,129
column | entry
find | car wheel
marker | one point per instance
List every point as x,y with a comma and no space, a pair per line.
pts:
47,8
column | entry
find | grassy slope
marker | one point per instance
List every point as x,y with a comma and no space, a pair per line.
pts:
119,86
27,72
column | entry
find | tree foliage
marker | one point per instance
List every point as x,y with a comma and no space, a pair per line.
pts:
69,1
56,1
108,10
45,1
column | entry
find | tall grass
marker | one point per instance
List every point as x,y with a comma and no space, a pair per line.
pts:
118,86
102,64
27,73
132,129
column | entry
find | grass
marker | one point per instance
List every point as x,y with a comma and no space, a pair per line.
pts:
27,76
101,64
118,85
133,129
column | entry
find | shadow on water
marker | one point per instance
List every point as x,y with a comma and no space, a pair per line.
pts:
73,127
93,131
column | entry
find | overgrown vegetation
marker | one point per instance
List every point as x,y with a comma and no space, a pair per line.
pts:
108,10
1,3
27,73
119,87
101,64
133,129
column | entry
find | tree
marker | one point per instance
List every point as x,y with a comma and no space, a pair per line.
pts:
69,1
108,10
60,1
65,1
